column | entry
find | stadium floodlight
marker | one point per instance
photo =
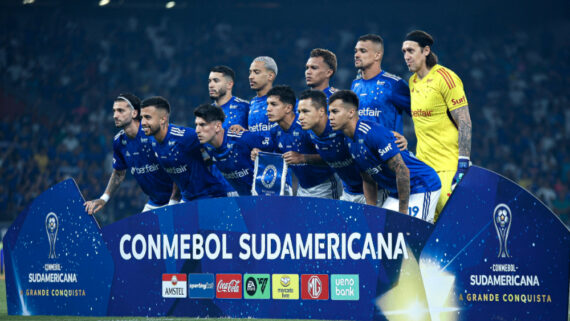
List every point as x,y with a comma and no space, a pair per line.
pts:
170,4
104,2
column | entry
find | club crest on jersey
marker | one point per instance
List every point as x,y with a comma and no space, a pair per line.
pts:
171,143
144,140
381,83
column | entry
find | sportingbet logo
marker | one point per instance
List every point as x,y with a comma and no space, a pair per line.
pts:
370,112
201,286
345,287
458,101
228,286
174,285
315,287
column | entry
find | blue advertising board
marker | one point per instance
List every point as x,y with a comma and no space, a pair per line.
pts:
495,252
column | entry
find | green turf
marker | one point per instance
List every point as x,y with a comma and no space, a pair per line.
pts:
5,317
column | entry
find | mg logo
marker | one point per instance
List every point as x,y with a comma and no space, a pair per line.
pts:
314,287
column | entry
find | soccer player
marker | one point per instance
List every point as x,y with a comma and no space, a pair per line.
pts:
132,152
229,150
179,152
220,83
383,97
262,73
331,146
319,70
440,113
414,187
298,151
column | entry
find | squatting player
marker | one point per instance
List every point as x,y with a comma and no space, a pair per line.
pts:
440,113
319,69
298,151
229,150
383,97
331,146
132,151
414,187
220,84
179,152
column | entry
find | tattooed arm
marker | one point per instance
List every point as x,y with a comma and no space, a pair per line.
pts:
94,206
396,164
462,118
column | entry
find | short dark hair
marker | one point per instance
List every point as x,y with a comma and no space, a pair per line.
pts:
328,57
285,94
225,70
133,101
372,37
210,113
424,39
157,101
317,97
346,96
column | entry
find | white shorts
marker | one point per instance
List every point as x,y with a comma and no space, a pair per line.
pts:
355,198
331,188
421,205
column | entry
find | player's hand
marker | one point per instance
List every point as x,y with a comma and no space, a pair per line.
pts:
94,206
237,129
254,152
401,141
292,157
462,167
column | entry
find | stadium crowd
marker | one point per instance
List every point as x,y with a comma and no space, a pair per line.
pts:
59,76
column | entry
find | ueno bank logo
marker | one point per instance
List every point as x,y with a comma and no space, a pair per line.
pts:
228,286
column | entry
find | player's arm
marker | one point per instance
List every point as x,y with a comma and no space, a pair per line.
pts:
396,164
462,118
94,206
292,157
369,188
237,128
401,97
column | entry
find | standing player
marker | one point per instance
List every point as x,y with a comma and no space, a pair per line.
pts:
230,151
132,151
319,70
331,147
383,96
220,84
179,152
295,144
262,73
440,113
414,187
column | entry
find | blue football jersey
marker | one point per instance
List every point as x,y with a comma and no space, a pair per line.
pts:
180,154
333,150
136,156
373,145
236,110
257,119
298,140
383,99
329,91
233,158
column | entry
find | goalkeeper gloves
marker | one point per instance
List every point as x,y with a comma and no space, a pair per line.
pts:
462,167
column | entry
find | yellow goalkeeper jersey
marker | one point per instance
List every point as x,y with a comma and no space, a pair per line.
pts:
432,98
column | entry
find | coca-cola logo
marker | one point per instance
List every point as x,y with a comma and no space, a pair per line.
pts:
232,286
229,286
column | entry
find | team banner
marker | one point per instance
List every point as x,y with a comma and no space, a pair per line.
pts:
270,175
495,253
